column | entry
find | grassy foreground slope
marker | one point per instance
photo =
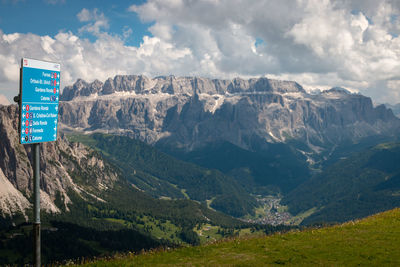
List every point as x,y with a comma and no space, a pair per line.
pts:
374,241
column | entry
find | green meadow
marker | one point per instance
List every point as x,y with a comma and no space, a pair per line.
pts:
373,241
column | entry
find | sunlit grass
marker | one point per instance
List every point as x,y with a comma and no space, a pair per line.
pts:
373,241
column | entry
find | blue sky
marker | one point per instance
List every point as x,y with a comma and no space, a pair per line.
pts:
318,43
50,17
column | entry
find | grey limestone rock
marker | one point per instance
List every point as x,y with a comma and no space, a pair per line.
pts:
59,160
189,112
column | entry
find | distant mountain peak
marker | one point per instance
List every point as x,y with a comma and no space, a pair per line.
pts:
140,84
395,108
193,111
315,91
340,90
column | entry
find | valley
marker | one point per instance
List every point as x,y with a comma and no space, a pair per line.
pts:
200,133
271,212
145,163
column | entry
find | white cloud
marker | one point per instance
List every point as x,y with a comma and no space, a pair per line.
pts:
84,15
163,31
4,100
81,58
9,68
97,21
319,43
350,43
394,92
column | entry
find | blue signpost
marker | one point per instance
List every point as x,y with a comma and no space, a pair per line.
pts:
40,88
38,105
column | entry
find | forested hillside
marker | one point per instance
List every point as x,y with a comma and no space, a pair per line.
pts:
118,218
277,167
366,182
161,175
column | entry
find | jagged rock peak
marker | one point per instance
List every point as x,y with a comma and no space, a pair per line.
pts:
81,88
59,160
139,84
339,90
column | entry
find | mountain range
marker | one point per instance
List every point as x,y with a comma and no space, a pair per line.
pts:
264,133
179,152
189,112
90,195
276,134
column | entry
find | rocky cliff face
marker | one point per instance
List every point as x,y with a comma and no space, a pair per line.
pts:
395,108
189,112
142,85
60,161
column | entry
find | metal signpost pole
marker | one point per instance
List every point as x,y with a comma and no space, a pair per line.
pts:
38,106
36,203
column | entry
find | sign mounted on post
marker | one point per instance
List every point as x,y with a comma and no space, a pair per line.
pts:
39,95
38,104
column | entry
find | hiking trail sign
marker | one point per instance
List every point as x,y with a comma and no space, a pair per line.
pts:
38,106
39,96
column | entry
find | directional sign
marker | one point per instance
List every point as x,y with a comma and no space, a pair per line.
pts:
39,94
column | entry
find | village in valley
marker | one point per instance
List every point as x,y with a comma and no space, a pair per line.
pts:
271,212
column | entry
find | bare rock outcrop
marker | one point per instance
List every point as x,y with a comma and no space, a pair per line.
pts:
190,111
60,161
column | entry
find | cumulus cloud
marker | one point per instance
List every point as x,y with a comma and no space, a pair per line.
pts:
84,15
3,100
80,58
322,43
319,43
97,22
